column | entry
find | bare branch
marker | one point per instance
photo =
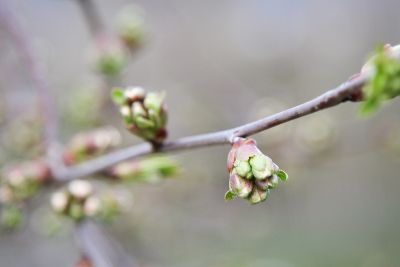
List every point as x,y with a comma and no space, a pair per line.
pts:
35,70
344,92
100,248
92,17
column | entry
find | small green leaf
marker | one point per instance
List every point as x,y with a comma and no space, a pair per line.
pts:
117,95
229,196
282,175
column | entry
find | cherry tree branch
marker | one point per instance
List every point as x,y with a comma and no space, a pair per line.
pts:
348,91
35,70
101,248
92,17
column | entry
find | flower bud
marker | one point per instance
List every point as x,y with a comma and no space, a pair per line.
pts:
262,184
146,116
243,169
258,195
110,57
239,186
130,28
252,173
80,189
92,206
262,166
59,201
90,144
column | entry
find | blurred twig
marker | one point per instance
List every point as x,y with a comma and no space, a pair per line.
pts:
343,93
35,69
100,248
92,16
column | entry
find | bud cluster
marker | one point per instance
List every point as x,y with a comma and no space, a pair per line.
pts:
79,200
144,113
151,169
91,144
385,82
22,181
18,184
252,174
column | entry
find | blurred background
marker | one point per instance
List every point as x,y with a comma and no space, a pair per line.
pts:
222,63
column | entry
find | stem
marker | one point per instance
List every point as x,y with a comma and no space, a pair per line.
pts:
100,248
35,70
340,94
92,17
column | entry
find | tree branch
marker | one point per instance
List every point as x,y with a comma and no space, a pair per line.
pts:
345,92
35,70
100,248
92,17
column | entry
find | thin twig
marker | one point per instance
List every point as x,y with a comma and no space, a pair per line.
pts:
35,70
342,93
100,248
92,17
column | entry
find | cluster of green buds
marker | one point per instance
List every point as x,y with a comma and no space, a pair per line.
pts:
252,174
144,113
151,170
384,67
18,184
90,144
110,56
130,28
79,200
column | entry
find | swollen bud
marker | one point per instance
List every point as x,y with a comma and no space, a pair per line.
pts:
79,200
87,145
150,170
59,201
252,174
258,195
130,29
80,189
110,57
23,181
144,113
239,186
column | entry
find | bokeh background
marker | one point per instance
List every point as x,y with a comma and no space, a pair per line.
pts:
224,63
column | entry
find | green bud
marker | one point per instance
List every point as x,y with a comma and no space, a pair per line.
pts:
138,110
262,174
239,186
258,162
243,169
144,123
154,101
262,184
258,195
273,181
262,166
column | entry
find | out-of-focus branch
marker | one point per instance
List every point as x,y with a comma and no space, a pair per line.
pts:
35,70
348,91
92,17
100,248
